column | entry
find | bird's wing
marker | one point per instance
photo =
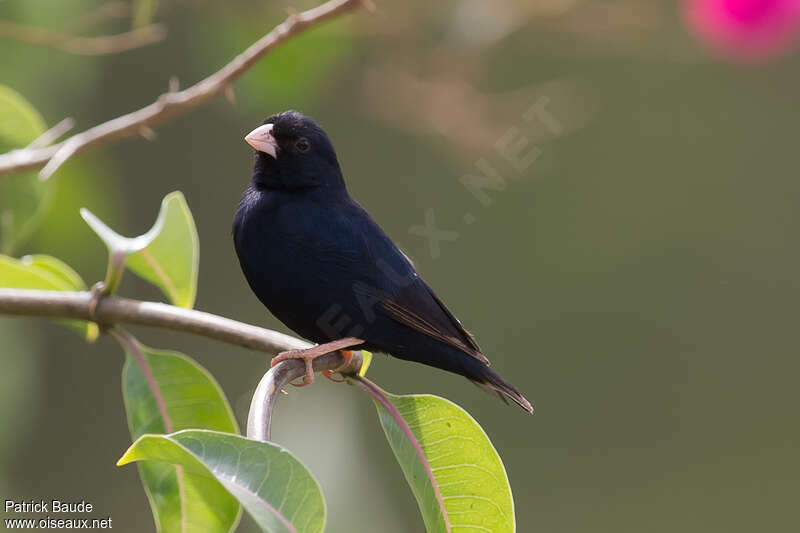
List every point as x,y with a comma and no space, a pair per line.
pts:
418,307
402,295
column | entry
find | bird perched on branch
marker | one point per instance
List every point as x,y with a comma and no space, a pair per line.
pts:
318,261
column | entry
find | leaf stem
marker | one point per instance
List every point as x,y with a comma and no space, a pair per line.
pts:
379,396
131,345
116,267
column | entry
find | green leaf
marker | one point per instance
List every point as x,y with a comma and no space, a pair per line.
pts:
170,260
273,486
23,198
20,123
451,466
165,392
46,273
167,255
70,279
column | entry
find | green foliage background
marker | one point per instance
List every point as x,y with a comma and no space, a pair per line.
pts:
637,282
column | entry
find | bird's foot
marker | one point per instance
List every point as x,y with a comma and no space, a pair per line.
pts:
309,354
348,356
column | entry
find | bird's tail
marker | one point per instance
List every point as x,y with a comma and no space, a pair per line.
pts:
488,379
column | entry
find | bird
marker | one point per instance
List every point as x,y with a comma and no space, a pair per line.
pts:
322,266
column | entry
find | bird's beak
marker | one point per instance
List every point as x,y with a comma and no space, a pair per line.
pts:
262,140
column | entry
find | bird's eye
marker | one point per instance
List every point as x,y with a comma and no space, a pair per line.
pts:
302,144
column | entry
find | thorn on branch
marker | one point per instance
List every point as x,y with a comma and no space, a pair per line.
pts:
230,96
50,136
369,6
148,133
66,150
174,84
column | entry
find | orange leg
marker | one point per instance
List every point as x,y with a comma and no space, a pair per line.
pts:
309,354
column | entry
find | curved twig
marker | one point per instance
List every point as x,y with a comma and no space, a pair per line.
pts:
171,104
113,9
87,46
259,418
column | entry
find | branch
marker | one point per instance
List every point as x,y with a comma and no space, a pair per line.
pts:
259,419
117,310
87,46
172,104
114,9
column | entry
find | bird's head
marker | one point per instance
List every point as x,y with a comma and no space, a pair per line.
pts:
293,152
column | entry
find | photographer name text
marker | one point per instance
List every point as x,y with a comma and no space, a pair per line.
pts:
54,507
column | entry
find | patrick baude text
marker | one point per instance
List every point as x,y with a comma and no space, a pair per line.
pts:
48,506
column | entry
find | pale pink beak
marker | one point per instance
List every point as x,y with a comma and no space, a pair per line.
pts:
262,140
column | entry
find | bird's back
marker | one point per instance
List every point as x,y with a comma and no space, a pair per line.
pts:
315,262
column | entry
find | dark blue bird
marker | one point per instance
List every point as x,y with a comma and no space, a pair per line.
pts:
318,261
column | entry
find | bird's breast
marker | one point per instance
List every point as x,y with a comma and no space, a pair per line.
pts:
297,256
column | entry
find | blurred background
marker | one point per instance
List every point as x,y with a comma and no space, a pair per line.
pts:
633,271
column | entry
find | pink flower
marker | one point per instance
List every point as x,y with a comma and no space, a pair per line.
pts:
748,30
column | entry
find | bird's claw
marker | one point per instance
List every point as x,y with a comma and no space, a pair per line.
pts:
348,357
308,359
309,354
329,374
